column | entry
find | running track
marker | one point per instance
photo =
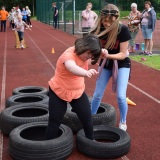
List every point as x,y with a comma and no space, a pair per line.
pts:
36,64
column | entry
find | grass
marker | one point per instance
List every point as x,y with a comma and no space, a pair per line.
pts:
151,61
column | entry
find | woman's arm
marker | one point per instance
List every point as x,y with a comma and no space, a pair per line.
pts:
122,54
78,71
85,14
56,12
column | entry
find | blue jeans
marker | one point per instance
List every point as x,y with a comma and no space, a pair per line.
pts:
122,82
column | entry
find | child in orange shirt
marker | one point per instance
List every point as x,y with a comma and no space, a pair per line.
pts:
67,85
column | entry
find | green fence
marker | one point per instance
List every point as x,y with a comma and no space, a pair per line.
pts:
70,11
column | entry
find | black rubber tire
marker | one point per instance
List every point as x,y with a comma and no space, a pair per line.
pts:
117,142
27,98
27,142
30,89
106,115
17,115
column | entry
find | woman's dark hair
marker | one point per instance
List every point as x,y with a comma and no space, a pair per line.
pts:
89,43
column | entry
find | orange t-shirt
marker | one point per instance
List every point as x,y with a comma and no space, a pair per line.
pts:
3,15
65,84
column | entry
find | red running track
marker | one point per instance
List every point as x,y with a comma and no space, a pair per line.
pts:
35,65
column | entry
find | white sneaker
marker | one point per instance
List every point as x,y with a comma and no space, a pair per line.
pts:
22,47
31,26
123,126
26,28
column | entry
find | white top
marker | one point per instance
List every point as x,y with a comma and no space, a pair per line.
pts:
21,25
28,12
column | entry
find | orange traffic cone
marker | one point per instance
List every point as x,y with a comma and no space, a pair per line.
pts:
130,102
53,50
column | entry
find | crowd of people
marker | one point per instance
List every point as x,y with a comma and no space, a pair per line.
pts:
145,20
12,16
18,20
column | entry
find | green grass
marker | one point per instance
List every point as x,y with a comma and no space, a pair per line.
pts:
151,61
34,18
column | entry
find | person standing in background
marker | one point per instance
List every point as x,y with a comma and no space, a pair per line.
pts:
28,16
89,18
133,25
148,22
3,17
55,14
24,15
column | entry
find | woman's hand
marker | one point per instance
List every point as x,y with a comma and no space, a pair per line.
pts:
104,53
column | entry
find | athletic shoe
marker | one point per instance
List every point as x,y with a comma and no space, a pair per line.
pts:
148,54
22,47
31,26
123,126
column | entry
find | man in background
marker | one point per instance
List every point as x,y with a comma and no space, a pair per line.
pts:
55,14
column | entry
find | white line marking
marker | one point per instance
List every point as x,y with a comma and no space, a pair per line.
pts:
2,107
42,53
143,92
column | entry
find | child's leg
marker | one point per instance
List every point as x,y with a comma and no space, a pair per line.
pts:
57,109
21,39
83,110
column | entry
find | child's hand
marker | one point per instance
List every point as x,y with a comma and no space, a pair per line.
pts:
90,73
104,53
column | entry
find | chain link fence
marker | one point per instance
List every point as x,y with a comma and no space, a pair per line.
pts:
69,19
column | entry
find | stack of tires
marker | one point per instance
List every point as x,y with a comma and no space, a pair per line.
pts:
25,121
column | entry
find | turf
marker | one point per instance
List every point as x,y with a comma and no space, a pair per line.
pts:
151,61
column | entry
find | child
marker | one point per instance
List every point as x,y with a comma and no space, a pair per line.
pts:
67,85
20,30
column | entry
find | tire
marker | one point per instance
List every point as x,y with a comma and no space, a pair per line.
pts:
106,115
30,89
27,98
27,142
17,115
118,145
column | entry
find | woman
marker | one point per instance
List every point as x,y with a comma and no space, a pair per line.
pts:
111,34
133,25
89,18
148,22
67,85
28,16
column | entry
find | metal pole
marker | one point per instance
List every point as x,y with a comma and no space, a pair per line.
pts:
73,16
64,16
33,8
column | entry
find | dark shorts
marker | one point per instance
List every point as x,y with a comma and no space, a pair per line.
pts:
20,35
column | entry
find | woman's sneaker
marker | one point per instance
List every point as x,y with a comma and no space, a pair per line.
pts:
148,54
123,126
